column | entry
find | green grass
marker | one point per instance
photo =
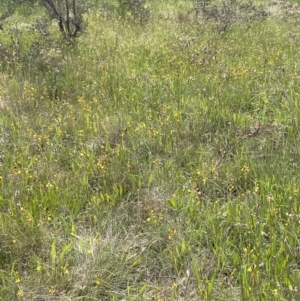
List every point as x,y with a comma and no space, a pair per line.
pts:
151,162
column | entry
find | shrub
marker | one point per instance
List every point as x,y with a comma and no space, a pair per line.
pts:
226,13
69,14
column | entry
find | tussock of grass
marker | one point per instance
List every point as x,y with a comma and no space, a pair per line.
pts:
154,161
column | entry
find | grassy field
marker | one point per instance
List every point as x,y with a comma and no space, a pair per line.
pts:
153,160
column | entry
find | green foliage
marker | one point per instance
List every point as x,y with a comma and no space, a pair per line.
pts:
68,14
9,7
155,162
134,7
